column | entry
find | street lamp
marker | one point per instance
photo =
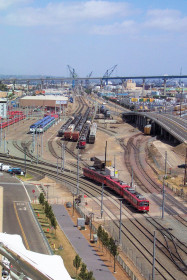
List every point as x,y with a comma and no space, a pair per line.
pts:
91,214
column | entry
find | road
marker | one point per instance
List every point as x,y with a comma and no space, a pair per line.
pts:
17,215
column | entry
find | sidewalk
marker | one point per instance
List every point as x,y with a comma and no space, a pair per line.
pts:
81,245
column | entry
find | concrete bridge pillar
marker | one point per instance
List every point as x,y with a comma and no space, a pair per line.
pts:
143,87
161,131
14,86
136,120
144,121
42,84
153,130
27,87
165,86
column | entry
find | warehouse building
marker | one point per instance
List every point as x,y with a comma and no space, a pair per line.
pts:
49,101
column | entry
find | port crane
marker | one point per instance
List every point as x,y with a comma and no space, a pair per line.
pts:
87,82
73,74
108,73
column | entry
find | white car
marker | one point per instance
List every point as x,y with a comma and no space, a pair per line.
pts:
5,167
5,275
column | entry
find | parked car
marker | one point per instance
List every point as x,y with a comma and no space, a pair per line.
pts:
5,167
5,275
68,204
182,165
15,170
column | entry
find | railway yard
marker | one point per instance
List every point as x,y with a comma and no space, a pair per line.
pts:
140,161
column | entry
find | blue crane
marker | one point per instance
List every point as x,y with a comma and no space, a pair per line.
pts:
73,74
108,73
87,82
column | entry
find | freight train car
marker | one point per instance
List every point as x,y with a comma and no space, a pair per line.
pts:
79,127
71,128
84,135
92,133
65,126
76,132
138,201
105,111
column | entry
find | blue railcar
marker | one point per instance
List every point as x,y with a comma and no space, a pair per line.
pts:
46,124
34,126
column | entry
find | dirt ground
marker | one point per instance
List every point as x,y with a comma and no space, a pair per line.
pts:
101,252
122,131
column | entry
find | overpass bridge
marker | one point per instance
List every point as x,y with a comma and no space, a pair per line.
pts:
42,80
167,126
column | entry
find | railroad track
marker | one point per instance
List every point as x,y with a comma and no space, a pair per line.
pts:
93,190
145,252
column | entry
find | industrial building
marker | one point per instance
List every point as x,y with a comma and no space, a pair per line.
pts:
49,101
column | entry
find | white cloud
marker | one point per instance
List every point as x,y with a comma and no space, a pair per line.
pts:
62,13
168,20
128,26
4,4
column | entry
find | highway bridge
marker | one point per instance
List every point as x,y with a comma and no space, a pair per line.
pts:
167,126
43,78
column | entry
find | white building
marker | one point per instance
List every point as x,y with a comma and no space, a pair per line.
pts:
3,107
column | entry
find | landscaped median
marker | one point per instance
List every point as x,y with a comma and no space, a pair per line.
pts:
58,242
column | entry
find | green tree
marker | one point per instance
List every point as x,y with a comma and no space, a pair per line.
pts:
77,263
114,250
47,207
41,198
99,232
105,239
83,272
89,276
54,223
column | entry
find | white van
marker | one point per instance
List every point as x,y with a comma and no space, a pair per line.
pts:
5,167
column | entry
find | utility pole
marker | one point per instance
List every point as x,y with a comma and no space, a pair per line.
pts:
63,156
163,199
57,168
1,133
105,152
153,267
42,145
4,140
102,200
25,159
120,221
185,173
78,172
165,163
114,166
132,178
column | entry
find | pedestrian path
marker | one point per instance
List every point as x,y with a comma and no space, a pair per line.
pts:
81,245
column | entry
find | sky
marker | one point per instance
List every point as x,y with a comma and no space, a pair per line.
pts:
141,37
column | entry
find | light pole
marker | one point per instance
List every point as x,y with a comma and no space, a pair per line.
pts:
120,221
102,201
163,198
91,214
153,267
25,159
78,173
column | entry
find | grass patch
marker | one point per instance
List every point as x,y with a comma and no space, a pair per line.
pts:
27,177
57,240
